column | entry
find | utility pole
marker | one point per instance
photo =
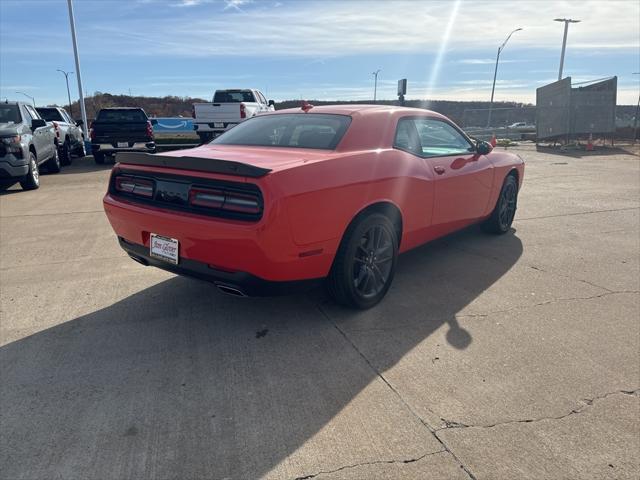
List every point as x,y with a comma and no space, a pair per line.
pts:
495,73
566,21
635,118
66,77
33,100
375,84
72,21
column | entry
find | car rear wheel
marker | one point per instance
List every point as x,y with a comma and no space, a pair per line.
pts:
364,266
99,158
505,210
65,153
32,179
53,164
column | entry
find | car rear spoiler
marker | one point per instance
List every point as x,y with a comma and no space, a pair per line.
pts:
211,165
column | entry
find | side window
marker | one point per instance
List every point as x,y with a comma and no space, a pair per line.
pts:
439,138
66,117
27,115
261,98
430,137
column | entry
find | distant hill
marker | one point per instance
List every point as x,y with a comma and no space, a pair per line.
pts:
172,106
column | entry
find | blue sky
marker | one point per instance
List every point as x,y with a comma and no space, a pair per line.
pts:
315,49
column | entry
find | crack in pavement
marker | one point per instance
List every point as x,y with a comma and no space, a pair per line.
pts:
374,462
548,302
587,402
578,213
392,388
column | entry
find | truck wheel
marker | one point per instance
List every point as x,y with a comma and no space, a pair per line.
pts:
99,158
32,179
53,164
363,269
65,153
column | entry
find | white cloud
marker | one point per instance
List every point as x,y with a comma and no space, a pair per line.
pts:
332,28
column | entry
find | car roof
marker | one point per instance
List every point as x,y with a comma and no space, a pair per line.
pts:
362,109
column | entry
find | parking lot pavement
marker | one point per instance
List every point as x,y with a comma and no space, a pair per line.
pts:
491,357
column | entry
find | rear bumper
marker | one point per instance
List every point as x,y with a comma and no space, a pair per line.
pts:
109,149
262,249
245,284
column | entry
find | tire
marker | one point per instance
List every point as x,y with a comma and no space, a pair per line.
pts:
99,158
81,151
502,216
65,153
32,179
53,164
365,263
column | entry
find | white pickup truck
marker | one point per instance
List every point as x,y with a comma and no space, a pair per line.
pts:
229,108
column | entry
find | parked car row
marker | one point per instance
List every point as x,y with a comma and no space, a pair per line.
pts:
27,142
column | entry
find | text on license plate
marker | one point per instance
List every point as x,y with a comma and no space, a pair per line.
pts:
123,144
164,248
218,125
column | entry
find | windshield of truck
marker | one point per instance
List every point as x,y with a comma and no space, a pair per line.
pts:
306,130
51,114
233,96
9,114
121,116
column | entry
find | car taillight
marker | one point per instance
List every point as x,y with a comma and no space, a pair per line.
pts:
134,185
225,200
193,111
149,130
243,111
57,129
92,132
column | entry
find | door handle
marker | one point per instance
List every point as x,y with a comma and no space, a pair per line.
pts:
439,170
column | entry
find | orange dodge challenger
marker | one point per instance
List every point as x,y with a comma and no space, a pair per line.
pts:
301,196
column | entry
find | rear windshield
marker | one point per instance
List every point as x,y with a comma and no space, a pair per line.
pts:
124,116
9,114
50,114
233,96
298,130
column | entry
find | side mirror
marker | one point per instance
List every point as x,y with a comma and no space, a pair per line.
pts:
483,148
272,103
37,123
79,123
154,121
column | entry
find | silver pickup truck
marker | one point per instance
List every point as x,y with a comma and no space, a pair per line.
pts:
69,136
26,142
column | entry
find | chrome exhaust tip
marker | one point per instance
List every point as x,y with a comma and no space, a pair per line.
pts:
140,260
229,290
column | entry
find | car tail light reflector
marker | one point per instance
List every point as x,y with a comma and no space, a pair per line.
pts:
243,203
134,185
149,130
92,132
57,129
205,197
193,111
243,111
224,200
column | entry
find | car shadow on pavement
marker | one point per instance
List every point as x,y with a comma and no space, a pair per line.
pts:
179,381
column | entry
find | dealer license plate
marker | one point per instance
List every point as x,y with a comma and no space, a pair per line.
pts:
164,248
218,125
123,144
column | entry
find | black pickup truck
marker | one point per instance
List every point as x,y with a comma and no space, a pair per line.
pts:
124,129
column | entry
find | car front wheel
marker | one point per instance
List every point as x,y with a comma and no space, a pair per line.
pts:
32,179
365,263
505,210
65,153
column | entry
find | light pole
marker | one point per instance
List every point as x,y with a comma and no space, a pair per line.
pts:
495,73
79,77
32,99
66,77
635,118
566,21
375,83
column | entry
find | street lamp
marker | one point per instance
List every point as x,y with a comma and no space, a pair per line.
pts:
375,84
495,73
66,77
32,99
566,21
